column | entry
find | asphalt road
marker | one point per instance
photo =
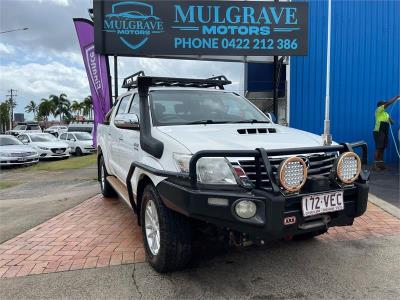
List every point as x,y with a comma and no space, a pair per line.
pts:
363,269
41,196
386,185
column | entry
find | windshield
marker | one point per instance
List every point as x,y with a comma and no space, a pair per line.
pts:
37,138
20,127
9,141
83,136
188,107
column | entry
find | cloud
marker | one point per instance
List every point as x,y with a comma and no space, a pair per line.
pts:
35,81
58,2
46,59
6,49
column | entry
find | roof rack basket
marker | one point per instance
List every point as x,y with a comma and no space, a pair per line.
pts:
140,79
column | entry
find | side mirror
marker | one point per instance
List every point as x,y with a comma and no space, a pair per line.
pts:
272,117
127,121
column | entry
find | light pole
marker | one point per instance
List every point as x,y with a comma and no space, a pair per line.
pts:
12,30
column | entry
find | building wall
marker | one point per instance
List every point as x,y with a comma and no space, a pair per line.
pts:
365,69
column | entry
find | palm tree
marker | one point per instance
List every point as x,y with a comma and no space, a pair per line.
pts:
4,116
32,107
88,106
46,108
61,104
76,107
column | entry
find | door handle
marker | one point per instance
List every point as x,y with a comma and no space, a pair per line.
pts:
121,139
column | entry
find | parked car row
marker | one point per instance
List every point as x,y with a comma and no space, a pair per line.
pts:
30,147
55,130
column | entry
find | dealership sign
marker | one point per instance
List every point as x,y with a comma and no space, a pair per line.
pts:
177,28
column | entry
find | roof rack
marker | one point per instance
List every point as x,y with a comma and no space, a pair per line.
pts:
139,79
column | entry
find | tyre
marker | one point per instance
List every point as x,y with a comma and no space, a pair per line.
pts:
78,151
309,235
167,235
106,189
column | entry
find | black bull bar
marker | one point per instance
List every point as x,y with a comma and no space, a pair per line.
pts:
261,157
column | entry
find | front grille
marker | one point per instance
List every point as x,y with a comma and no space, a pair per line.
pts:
58,150
23,154
319,164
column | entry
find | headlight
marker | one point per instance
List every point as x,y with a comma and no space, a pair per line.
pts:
348,167
246,209
215,170
292,174
182,161
3,154
43,148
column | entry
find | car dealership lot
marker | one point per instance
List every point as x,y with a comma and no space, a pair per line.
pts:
93,250
100,252
30,196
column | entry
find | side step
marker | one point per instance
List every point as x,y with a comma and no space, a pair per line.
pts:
120,188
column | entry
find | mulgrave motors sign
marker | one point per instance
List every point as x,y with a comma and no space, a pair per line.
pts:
227,28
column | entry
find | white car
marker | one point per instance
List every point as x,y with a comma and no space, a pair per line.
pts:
13,152
79,142
56,130
47,145
25,128
188,155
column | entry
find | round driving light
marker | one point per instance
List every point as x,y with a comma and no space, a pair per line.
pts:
348,167
292,174
246,209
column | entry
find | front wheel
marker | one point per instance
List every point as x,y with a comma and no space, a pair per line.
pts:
78,151
167,235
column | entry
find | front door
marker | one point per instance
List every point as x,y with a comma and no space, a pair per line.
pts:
116,136
130,142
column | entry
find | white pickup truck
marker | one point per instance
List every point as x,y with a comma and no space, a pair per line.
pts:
186,154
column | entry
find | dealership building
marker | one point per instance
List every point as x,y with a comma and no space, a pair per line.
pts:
365,68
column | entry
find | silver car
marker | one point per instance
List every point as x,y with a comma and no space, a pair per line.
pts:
13,152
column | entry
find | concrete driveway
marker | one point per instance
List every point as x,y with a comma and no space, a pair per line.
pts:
41,195
358,269
88,253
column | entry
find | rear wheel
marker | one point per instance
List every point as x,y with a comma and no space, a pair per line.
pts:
106,189
167,235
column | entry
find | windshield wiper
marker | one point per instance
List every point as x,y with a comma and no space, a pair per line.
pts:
251,121
206,122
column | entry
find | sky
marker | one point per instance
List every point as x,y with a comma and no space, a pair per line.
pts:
46,59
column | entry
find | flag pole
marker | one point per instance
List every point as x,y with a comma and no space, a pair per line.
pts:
327,124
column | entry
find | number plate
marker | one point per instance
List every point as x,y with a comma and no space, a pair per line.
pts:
59,152
21,159
322,203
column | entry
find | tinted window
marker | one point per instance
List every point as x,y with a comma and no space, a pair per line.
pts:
83,136
63,136
134,109
33,127
23,138
20,127
42,138
123,104
71,136
185,107
8,141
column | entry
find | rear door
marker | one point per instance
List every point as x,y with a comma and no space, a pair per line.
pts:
116,136
71,141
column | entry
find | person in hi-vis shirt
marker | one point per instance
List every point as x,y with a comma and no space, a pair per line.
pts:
381,131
